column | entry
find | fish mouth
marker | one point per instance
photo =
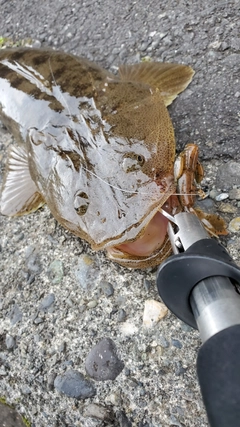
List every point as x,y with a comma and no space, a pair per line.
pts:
149,249
151,240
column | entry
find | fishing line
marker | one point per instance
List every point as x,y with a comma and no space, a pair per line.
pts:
133,192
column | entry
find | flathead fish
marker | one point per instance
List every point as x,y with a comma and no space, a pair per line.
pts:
97,148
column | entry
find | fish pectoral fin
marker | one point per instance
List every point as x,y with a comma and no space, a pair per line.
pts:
19,195
170,79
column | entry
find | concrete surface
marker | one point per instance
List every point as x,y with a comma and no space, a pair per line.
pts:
158,385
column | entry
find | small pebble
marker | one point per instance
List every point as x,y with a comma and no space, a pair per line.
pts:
32,261
227,208
107,289
225,46
86,272
215,44
147,285
36,44
163,342
121,315
47,302
10,342
153,312
99,412
3,372
222,196
55,271
69,302
127,372
73,384
50,380
185,327
176,343
213,194
205,204
102,363
114,399
234,225
92,304
38,320
180,370
37,338
174,422
67,363
34,411
15,315
234,194
159,351
62,347
25,389
123,419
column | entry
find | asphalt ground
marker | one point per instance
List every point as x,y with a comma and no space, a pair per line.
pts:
158,385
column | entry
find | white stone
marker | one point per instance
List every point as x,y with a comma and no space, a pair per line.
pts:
222,196
234,225
153,312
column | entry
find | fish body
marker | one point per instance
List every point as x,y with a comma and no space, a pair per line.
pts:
97,148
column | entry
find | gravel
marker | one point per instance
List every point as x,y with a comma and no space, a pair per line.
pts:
58,298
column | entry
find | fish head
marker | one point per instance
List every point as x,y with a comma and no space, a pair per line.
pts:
106,178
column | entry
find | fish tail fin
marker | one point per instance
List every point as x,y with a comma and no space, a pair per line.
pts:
170,79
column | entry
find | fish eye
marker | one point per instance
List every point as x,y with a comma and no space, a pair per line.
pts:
81,203
36,137
140,160
132,162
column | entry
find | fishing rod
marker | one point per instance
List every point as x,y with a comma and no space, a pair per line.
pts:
199,284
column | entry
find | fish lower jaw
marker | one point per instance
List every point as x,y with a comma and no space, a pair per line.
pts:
151,242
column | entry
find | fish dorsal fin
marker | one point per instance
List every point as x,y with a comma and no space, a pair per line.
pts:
170,79
19,194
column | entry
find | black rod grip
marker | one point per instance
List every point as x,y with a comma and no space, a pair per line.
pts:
218,368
